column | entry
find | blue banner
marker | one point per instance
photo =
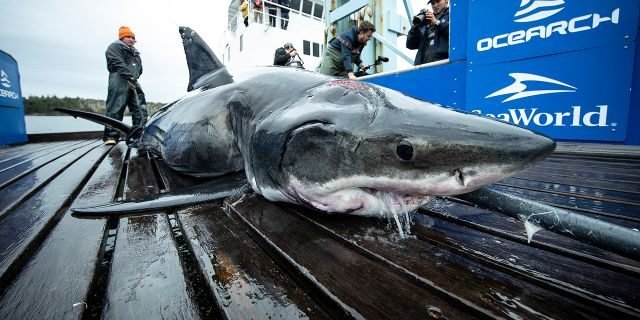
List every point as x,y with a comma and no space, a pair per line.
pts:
443,84
506,30
581,95
10,95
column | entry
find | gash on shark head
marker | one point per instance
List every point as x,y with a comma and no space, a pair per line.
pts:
540,9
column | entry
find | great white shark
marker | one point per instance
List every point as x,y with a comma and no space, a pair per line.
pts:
335,145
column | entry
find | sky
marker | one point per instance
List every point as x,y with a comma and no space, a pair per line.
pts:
60,45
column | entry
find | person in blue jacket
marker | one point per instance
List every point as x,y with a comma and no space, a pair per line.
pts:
125,67
344,50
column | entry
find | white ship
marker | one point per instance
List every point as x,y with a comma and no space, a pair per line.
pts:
255,44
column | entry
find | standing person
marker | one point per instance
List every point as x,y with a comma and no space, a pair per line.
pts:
284,13
257,11
284,55
344,50
430,33
125,67
244,8
273,14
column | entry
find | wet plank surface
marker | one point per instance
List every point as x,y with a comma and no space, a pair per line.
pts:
245,257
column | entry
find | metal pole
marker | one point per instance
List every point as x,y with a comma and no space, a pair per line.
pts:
605,235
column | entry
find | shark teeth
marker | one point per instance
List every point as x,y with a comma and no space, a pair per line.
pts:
459,176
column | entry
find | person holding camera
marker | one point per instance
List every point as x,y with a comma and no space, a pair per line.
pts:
344,50
284,54
430,33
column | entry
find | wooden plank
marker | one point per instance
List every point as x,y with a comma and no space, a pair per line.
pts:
507,227
56,280
604,209
23,188
596,291
28,151
146,279
632,187
17,172
8,152
587,175
429,253
364,284
573,191
31,221
244,280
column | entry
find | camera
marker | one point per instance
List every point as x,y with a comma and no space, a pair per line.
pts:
419,18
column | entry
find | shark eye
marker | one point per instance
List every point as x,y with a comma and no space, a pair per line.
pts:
404,150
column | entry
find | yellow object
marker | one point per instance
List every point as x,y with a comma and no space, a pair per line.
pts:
244,7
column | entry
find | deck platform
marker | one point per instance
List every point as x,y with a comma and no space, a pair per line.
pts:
248,258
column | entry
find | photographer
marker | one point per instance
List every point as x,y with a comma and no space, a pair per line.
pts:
344,50
430,33
284,55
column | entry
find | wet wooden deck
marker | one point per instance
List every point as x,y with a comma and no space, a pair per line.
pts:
248,258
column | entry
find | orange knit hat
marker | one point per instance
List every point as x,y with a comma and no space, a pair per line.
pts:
125,32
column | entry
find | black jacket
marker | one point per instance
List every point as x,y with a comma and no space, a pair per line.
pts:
124,60
350,48
432,41
281,57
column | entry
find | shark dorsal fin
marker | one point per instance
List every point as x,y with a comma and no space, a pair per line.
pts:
205,70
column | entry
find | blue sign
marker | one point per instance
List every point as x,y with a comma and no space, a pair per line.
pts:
10,95
581,95
506,30
12,126
443,84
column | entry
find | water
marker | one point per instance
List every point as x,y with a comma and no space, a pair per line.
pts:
401,219
57,124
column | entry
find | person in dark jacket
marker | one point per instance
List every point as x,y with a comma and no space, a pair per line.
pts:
125,67
344,50
284,54
284,13
430,33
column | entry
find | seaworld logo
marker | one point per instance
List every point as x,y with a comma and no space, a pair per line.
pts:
545,11
563,27
4,79
576,117
518,88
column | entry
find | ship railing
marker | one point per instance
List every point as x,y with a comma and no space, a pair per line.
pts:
261,15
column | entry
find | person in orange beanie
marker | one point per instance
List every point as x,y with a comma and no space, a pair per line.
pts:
125,67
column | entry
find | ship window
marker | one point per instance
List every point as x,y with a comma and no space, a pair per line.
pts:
307,6
306,47
317,10
241,36
316,49
295,5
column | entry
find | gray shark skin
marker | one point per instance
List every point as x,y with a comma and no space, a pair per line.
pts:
331,144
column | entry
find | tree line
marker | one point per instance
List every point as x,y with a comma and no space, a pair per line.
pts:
44,105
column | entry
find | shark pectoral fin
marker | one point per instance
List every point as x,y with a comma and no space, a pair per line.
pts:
207,192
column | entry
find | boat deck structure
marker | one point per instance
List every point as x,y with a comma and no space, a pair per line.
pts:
244,257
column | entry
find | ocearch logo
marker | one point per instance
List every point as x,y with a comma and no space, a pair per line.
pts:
576,117
538,9
4,79
582,23
518,89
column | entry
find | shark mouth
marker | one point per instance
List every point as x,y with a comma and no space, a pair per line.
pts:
381,199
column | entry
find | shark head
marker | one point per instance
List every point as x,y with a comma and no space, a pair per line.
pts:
353,147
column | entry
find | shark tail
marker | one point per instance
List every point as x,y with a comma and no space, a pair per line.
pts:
205,70
120,126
